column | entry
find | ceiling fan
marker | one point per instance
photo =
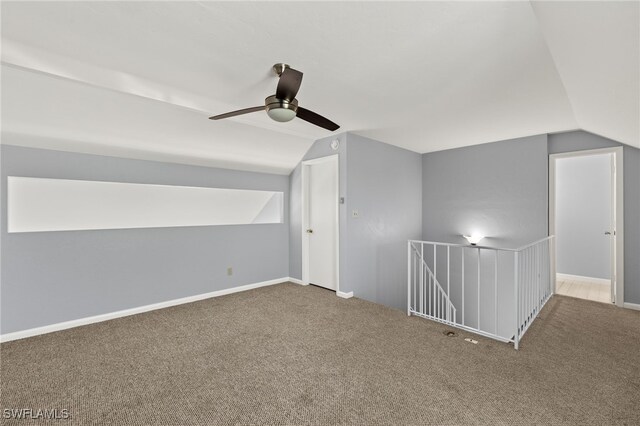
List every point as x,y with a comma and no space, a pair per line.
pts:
283,106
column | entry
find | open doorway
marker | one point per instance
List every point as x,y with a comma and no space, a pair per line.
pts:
585,215
320,222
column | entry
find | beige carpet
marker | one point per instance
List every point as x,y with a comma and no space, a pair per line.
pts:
289,355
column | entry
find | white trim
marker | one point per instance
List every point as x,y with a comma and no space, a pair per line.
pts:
344,295
296,281
633,306
587,152
304,222
593,280
320,160
304,197
618,173
133,311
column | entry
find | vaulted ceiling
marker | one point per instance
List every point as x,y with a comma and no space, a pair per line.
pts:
139,79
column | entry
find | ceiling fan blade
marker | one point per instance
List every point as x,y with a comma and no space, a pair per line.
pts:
238,112
316,119
289,84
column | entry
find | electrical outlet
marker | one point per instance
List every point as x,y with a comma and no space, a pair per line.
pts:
229,271
355,213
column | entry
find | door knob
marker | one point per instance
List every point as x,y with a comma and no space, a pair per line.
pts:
309,231
607,233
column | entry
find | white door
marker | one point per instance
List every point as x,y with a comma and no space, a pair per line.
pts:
321,224
611,232
586,217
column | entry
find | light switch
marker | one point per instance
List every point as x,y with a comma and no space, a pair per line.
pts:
355,213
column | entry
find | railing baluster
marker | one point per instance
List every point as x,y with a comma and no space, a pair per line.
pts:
538,278
435,277
435,262
440,304
523,281
526,283
462,286
532,290
550,270
448,277
432,289
427,279
534,266
478,289
421,277
495,291
429,295
427,289
531,284
528,276
415,283
436,295
516,334
409,278
548,274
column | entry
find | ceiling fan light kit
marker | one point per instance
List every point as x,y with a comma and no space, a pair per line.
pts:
281,110
283,106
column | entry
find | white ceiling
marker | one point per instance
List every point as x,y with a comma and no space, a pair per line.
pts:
596,49
139,79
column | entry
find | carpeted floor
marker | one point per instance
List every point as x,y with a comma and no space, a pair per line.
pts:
289,355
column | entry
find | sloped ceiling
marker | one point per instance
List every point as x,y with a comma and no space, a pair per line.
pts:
139,79
596,49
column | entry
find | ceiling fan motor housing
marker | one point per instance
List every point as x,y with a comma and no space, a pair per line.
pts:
281,110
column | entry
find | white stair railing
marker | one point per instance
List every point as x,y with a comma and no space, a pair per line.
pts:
430,299
499,302
534,279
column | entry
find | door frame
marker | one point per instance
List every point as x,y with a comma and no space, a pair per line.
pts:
617,202
305,216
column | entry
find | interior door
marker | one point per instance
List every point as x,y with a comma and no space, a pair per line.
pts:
612,231
322,223
585,221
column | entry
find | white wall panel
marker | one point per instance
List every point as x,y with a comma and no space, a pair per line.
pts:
39,204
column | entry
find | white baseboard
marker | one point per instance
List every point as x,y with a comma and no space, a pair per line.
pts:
132,311
296,281
344,295
570,277
634,306
338,293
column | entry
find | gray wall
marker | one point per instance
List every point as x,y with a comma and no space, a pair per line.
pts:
503,188
498,189
384,185
383,182
583,214
50,277
580,140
